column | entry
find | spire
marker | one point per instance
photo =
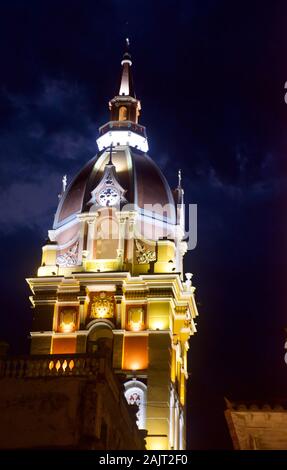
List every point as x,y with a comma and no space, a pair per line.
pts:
123,127
126,85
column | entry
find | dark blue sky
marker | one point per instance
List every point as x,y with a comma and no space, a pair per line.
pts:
210,75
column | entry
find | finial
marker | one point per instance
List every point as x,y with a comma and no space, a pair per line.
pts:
179,179
188,282
64,185
127,57
64,182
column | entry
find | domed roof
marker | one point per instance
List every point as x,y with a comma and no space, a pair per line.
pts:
136,172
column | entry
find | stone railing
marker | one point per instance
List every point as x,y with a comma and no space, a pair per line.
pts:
52,365
123,125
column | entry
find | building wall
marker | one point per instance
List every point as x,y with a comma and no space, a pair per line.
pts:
258,429
66,412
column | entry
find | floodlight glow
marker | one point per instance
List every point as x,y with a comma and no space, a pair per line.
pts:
122,138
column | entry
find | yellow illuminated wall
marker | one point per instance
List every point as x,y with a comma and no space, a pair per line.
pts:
158,316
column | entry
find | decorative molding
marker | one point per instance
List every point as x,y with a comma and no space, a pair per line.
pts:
144,255
132,294
136,317
161,293
102,305
70,257
67,318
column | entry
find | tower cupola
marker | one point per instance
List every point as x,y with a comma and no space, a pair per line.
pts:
123,127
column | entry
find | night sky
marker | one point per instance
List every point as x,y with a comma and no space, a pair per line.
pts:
210,76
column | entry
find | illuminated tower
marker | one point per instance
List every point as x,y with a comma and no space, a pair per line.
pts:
111,273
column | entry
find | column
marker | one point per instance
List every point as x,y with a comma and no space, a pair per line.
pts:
122,235
171,418
82,220
91,235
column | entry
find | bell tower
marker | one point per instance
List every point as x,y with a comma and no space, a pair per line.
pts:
112,273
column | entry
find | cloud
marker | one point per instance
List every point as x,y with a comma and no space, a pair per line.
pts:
29,204
48,134
253,175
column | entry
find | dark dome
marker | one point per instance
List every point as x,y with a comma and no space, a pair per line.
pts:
137,173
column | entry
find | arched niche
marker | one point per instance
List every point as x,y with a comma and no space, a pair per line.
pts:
100,337
135,393
106,236
123,113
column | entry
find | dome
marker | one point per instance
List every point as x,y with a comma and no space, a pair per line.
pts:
136,172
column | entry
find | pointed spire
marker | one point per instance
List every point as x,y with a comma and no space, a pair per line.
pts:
126,85
123,127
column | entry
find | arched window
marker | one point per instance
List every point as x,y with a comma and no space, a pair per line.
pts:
135,393
123,113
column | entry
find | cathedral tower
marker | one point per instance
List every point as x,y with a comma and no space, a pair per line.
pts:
112,275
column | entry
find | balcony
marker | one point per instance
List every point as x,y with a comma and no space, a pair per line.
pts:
77,365
123,126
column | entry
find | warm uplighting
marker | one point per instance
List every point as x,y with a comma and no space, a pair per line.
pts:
135,352
158,444
122,137
64,365
136,318
157,325
136,326
67,327
67,319
64,345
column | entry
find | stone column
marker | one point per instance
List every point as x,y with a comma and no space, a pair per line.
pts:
181,249
176,432
91,235
118,300
82,220
122,235
131,234
171,418
82,299
158,390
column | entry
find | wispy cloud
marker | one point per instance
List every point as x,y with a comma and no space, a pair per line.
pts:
29,204
48,134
